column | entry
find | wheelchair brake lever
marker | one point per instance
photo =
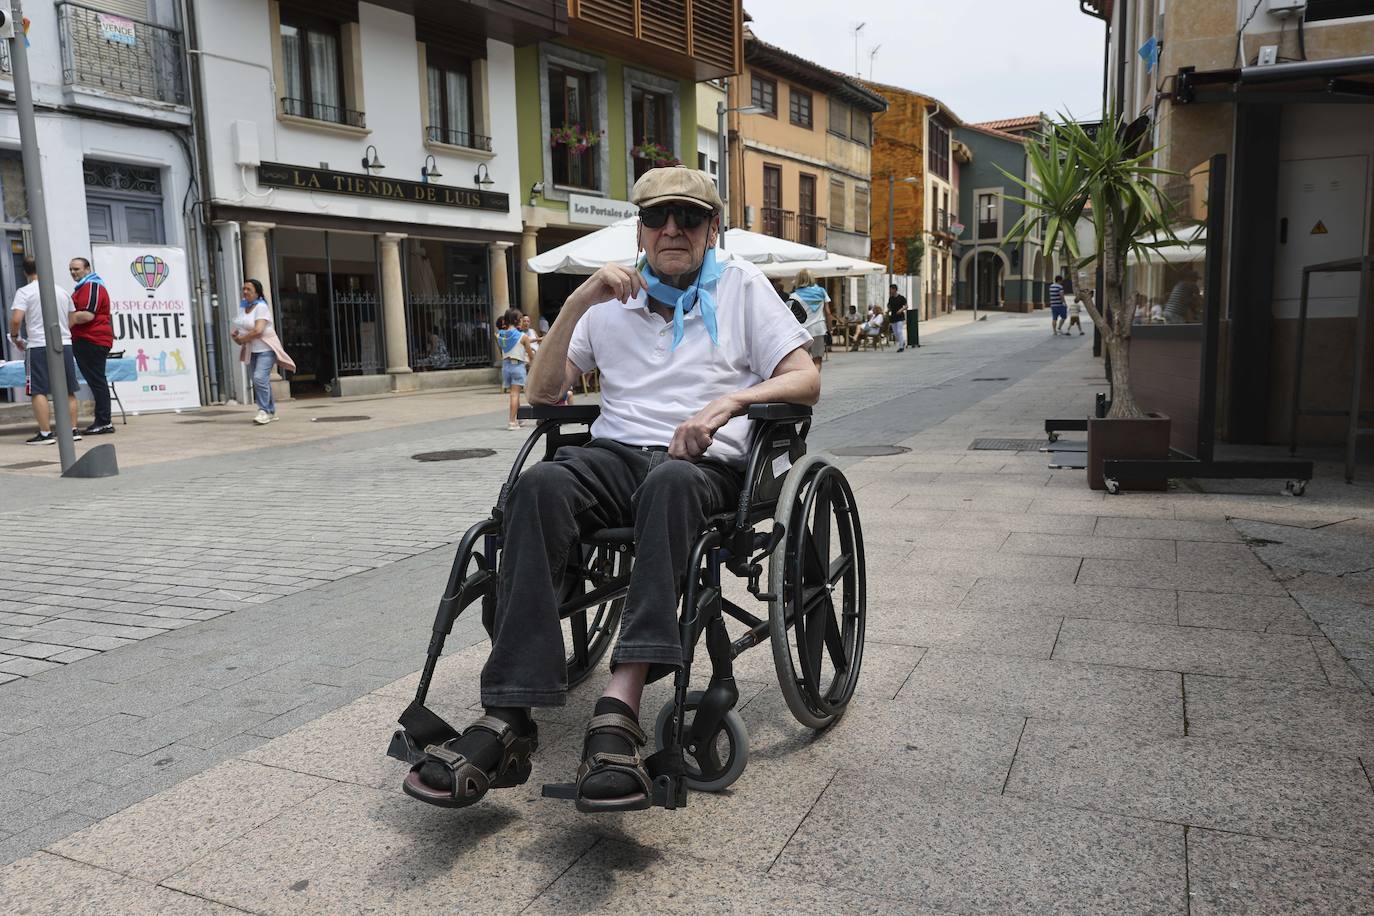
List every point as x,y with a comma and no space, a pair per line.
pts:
754,568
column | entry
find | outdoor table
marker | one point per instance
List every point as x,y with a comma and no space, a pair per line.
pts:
116,370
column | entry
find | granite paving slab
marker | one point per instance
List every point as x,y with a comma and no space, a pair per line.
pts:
1103,602
1339,672
1328,719
947,849
1130,700
1229,873
993,632
1261,613
884,668
1166,528
1253,788
967,568
1230,653
47,885
1085,545
1180,576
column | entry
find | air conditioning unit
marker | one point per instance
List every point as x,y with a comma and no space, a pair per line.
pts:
748,216
1286,8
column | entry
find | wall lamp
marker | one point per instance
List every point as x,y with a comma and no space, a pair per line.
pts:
430,170
374,162
483,177
536,189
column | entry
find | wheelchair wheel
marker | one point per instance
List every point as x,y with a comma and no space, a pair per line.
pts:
817,579
716,765
587,634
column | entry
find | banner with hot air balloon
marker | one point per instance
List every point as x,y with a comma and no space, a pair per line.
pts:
150,309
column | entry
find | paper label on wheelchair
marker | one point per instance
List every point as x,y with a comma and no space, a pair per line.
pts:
780,465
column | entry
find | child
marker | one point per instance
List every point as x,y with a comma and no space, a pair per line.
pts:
1076,314
515,356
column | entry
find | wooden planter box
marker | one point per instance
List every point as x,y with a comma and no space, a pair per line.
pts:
1143,437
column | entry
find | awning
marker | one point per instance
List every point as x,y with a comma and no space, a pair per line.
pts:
616,244
1342,79
833,265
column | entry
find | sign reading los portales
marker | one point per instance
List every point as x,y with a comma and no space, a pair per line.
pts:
598,211
299,178
150,309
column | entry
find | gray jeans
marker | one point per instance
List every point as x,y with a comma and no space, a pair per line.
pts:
604,484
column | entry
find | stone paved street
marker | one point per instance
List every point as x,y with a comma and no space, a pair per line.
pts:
1070,702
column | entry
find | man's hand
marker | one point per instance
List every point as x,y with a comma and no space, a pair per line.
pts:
694,436
18,342
611,281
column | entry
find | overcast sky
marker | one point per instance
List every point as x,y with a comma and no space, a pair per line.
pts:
985,59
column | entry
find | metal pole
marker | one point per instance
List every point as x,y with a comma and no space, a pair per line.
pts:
723,150
891,245
975,268
38,218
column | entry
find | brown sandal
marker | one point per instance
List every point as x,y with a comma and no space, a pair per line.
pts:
469,782
600,762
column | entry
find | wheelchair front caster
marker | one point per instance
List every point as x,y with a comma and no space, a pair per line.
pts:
1295,487
1053,437
715,765
1112,485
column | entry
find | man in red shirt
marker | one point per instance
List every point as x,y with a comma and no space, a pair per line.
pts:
92,337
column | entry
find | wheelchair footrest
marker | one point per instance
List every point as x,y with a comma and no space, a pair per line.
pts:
404,748
667,792
563,790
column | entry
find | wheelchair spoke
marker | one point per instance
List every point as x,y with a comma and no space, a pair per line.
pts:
817,614
834,642
820,522
840,567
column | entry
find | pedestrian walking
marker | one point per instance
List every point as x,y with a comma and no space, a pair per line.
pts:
1076,314
259,347
896,313
515,358
1059,311
92,337
27,313
811,303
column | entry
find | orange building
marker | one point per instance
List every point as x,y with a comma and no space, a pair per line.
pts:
916,159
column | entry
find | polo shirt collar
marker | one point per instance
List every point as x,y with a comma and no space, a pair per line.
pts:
641,301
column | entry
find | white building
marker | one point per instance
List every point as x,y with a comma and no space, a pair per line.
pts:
113,121
362,163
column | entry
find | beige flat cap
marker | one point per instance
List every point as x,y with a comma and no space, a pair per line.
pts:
676,183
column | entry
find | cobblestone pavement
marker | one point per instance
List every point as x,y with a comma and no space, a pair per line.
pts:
1070,703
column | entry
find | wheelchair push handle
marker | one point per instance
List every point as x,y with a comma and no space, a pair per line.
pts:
779,411
567,413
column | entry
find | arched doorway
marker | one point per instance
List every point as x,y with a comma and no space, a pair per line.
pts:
1039,288
990,277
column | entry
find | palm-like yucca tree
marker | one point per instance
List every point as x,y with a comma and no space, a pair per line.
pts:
1105,177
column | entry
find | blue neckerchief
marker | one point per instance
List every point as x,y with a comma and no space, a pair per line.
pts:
703,291
510,339
813,297
246,305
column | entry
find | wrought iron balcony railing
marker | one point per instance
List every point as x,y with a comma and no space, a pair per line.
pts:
120,55
811,230
458,138
988,229
777,222
333,114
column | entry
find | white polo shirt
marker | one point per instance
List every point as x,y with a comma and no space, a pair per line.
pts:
649,389
26,301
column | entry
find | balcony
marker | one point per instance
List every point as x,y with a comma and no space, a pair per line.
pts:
332,114
458,138
988,229
122,56
697,40
811,230
777,222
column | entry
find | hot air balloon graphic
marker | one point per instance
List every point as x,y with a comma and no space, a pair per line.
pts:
150,271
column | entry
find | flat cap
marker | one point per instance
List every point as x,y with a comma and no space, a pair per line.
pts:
676,183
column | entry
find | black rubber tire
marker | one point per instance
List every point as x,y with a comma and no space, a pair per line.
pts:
732,729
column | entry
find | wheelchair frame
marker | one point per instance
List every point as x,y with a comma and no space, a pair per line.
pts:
801,583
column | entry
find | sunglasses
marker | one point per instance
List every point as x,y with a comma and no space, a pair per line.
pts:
684,217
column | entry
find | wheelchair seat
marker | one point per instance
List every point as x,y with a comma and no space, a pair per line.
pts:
610,537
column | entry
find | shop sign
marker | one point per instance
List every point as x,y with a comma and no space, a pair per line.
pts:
117,29
150,310
277,175
598,211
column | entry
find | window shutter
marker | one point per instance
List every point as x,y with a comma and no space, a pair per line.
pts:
133,9
337,10
453,39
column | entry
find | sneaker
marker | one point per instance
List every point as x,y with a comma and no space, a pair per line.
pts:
512,426
76,435
273,417
263,418
41,439
93,430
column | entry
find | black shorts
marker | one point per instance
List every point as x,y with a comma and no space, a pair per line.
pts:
37,368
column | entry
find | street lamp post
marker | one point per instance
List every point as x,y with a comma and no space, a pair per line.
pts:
723,144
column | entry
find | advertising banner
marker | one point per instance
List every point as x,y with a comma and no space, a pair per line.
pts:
150,308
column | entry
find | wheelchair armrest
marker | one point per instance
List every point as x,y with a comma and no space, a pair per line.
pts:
779,410
575,413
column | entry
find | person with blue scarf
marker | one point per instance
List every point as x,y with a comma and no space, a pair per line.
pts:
92,338
684,340
515,357
813,303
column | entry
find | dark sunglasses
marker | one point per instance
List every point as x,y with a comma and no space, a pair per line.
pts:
684,217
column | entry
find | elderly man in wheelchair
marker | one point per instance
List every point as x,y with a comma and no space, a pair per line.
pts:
699,442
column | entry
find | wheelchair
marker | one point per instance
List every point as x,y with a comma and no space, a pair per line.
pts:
796,514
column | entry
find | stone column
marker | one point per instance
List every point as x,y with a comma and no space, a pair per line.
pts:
257,265
394,313
529,280
500,288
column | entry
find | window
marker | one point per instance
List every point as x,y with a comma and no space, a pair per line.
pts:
860,126
1320,10
570,113
123,203
772,201
764,94
988,216
799,107
807,224
861,208
312,69
839,118
649,124
939,150
450,100
837,207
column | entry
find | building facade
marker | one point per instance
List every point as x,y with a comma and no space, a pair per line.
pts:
1011,276
1290,99
596,109
361,161
916,155
114,128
